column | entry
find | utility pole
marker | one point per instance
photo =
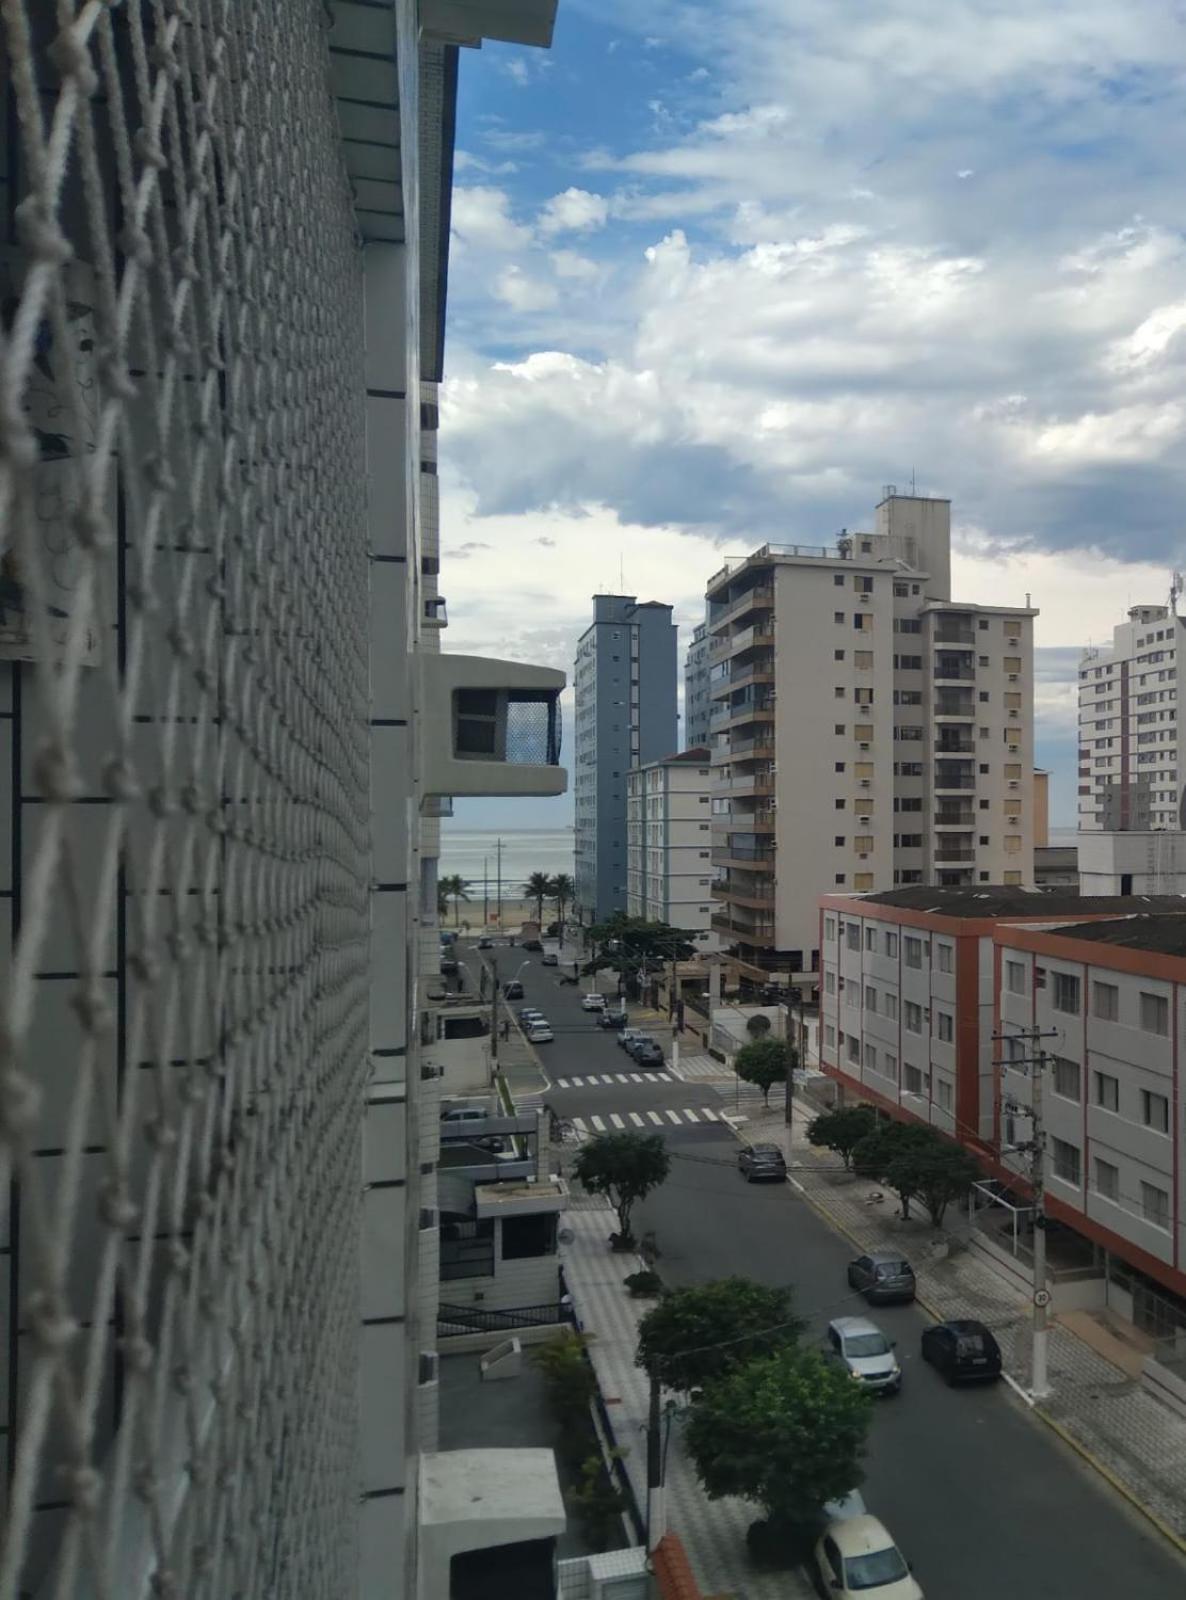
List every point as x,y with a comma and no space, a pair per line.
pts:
1036,1149
656,1506
485,892
498,858
494,1013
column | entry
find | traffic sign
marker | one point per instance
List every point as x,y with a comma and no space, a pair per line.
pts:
1042,1297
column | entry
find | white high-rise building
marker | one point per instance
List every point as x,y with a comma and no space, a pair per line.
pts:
867,731
669,844
697,700
1130,765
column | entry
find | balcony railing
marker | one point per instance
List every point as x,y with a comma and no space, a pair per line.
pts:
953,669
945,852
953,781
954,747
753,599
743,892
955,707
949,632
955,819
757,932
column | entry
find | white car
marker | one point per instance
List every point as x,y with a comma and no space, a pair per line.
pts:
864,1351
540,1032
593,1001
856,1556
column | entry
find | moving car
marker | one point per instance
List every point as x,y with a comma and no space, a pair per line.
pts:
532,944
485,944
593,1001
612,1019
964,1351
856,1555
531,1014
539,1031
634,1045
864,1351
550,959
647,1053
512,990
762,1163
882,1276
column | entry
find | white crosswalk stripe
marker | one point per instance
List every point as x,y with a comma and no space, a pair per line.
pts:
598,1124
709,1114
691,1115
593,1079
580,1125
606,1077
622,1077
616,1120
674,1116
637,1077
680,1116
655,1117
637,1120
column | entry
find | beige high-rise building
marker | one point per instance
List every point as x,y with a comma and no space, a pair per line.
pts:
867,731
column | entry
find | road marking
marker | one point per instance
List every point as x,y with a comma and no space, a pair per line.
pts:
598,1124
655,1118
637,1120
607,1077
579,1124
709,1114
636,1077
674,1115
564,1083
691,1115
622,1077
616,1119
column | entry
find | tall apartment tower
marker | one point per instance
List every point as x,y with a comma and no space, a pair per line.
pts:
867,731
1130,767
626,716
697,690
669,844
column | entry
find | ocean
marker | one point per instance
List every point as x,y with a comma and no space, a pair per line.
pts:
472,851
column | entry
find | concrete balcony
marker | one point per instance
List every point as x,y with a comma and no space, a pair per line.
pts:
743,677
955,707
739,860
756,932
739,751
946,746
757,896
949,632
954,849
759,598
496,727
954,668
736,644
960,817
747,784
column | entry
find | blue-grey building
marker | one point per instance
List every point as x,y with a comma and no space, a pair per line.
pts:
696,690
626,714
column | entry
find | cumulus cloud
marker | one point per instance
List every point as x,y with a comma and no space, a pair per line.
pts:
520,291
574,211
482,218
571,264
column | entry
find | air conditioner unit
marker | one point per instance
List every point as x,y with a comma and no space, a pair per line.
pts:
864,744
1014,783
1013,677
863,855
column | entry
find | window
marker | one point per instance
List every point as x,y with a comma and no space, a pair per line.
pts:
890,1070
1155,1111
864,843
913,951
889,1006
912,1016
863,660
911,1079
529,1236
1105,1001
852,935
870,1058
945,957
829,927
1066,1078
837,655
891,944
984,696
839,841
853,1046
467,1249
829,982
945,1024
838,616
862,881
1066,1160
1107,1179
944,1094
839,804
1107,1092
870,938
838,579
870,997
838,691
829,1035
838,728
1155,1013
1066,993
1155,1205
838,766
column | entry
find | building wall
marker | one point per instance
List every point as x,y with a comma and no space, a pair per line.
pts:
1041,809
696,697
1153,862
669,842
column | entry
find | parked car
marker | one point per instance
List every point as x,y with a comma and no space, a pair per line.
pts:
448,964
864,1351
612,1019
627,1036
464,1114
448,936
532,944
964,1351
512,990
549,959
531,1014
539,1031
485,944
648,1053
762,1163
881,1276
634,1045
856,1555
593,1001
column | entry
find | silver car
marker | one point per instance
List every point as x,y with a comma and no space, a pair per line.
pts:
864,1351
881,1276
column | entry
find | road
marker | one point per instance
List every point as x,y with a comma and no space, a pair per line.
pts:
985,1500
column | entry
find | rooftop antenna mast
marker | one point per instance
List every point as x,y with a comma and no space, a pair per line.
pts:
1175,591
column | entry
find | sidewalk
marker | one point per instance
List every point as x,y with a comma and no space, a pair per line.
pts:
713,1531
1095,1405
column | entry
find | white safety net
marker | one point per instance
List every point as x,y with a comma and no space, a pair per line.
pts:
184,835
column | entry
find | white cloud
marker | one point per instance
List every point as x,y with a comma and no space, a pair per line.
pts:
571,264
482,217
521,292
574,211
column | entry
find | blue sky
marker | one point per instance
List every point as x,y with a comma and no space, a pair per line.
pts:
719,272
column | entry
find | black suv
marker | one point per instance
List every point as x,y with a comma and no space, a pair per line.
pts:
762,1163
647,1053
612,1019
512,990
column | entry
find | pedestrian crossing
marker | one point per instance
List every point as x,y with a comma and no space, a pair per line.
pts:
597,1079
625,1121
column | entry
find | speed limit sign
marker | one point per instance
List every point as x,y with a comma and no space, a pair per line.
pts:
1042,1298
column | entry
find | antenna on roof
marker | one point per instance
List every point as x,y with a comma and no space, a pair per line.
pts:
1175,591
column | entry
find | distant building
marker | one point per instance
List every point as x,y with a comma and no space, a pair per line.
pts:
696,689
1056,866
668,844
1041,808
1130,763
1153,862
626,715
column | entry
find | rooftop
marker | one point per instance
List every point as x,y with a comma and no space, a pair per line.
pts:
1164,933
1004,900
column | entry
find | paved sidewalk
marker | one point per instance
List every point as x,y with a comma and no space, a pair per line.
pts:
695,1065
1097,1405
713,1531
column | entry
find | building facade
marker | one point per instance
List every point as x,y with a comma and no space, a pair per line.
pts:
229,729
669,844
697,697
867,731
1130,766
626,715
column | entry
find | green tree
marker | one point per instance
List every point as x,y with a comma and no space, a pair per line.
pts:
456,888
765,1062
758,1026
892,1154
568,1377
563,890
624,1167
944,1174
842,1129
699,1334
786,1430
633,945
538,888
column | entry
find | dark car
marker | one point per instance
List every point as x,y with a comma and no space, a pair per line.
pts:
550,959
513,990
612,1019
485,944
448,964
647,1053
762,1163
882,1276
532,944
963,1351
636,1043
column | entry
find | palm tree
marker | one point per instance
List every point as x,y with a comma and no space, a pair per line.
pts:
563,889
538,888
456,888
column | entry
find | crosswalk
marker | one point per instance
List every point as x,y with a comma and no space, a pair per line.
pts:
623,1121
596,1079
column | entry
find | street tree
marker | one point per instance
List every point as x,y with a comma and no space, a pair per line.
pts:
842,1129
456,888
787,1430
539,888
624,1167
633,945
758,1026
764,1062
563,890
696,1335
944,1174
893,1154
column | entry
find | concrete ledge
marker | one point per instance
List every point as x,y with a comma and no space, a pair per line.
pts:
1164,1385
461,1344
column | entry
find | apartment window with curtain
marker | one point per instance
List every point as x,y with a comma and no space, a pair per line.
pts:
1107,1091
1065,993
852,934
870,1058
1155,1111
1155,1205
945,1026
1107,1179
911,1079
1066,1078
1155,1013
1015,977
870,997
1066,1158
912,1017
945,957
1105,1001
889,1006
891,944
912,951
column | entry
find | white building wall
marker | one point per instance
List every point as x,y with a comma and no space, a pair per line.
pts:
1152,862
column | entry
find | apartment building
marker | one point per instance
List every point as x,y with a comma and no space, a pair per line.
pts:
1130,767
228,728
867,731
625,682
697,698
669,844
